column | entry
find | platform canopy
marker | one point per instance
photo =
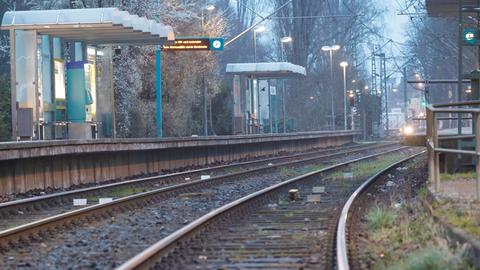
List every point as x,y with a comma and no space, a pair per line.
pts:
105,26
446,8
267,70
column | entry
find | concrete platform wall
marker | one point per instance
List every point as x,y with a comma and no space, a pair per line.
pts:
60,164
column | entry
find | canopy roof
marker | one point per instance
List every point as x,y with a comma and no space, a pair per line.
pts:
446,8
267,70
91,25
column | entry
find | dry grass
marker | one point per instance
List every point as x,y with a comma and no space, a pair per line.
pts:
409,238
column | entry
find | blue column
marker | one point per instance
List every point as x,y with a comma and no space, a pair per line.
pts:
48,97
76,88
159,93
78,51
57,48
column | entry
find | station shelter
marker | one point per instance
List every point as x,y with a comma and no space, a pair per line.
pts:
62,68
255,90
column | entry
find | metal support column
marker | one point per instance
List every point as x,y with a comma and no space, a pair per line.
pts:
205,111
405,96
345,127
332,99
284,100
270,114
13,85
476,118
460,60
158,89
37,93
385,89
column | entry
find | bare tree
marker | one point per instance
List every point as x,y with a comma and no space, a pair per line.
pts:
312,24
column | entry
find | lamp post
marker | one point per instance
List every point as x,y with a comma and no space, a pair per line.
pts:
282,41
259,29
344,65
205,109
364,113
208,8
352,116
331,49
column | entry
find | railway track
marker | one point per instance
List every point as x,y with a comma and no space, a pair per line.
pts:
159,208
19,212
409,179
265,229
344,223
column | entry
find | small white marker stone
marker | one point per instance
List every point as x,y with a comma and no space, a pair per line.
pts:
348,175
204,177
104,200
79,202
317,190
313,198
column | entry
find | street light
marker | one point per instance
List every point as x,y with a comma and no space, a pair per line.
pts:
284,40
331,49
344,65
259,29
208,8
468,90
205,109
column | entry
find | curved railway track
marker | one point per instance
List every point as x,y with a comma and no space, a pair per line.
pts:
342,249
60,227
19,212
265,229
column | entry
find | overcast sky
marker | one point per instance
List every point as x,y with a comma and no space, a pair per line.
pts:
396,24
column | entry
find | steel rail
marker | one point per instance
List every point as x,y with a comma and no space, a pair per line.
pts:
341,247
146,180
72,217
147,257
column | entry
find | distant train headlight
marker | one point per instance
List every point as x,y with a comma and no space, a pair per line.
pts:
408,130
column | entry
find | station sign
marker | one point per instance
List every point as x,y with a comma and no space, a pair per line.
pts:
195,44
470,37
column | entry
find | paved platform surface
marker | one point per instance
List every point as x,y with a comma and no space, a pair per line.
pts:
463,189
30,149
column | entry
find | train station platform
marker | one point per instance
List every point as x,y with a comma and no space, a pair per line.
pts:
60,164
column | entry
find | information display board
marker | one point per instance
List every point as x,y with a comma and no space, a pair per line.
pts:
195,44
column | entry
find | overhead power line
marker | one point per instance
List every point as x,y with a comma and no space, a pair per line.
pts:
317,17
256,24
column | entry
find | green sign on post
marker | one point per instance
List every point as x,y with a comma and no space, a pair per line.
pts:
470,36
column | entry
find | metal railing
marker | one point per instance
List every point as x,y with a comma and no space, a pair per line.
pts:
433,116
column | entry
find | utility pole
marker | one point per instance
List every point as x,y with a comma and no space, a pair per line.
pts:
331,90
364,113
385,90
158,91
405,97
460,62
205,111
344,66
